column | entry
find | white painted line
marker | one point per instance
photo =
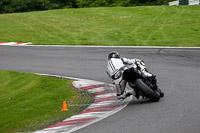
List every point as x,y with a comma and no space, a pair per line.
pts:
89,46
57,76
56,129
105,95
100,89
104,103
26,43
89,115
80,84
96,90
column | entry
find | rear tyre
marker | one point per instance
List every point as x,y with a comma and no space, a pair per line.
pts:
146,91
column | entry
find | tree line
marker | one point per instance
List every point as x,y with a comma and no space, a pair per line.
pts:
10,6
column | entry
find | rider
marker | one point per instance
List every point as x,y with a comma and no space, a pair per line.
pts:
115,67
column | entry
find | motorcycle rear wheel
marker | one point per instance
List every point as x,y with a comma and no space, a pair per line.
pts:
146,91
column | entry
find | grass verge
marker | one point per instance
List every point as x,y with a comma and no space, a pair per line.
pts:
29,102
141,26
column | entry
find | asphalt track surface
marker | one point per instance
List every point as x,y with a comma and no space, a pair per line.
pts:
177,70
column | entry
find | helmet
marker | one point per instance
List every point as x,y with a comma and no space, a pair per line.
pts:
113,54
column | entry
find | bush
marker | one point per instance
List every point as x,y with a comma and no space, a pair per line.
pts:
10,6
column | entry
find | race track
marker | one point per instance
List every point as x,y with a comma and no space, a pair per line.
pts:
177,71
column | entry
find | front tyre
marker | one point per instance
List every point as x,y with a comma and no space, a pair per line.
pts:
146,91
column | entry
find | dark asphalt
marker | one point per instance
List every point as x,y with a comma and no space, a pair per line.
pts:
177,70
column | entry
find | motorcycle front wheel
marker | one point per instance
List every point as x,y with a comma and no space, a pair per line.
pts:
146,91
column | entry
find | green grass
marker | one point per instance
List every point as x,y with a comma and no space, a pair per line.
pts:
29,102
143,26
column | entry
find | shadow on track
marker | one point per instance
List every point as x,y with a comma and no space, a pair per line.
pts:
142,102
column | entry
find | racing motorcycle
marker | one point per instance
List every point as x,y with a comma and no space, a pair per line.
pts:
147,87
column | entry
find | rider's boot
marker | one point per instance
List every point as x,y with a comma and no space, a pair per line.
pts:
132,92
121,97
126,94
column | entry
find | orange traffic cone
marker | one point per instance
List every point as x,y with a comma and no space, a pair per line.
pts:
64,106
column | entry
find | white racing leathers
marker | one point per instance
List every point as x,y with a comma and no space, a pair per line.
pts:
116,67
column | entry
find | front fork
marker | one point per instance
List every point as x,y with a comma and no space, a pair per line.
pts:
153,84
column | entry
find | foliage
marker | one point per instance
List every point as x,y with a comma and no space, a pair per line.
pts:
10,6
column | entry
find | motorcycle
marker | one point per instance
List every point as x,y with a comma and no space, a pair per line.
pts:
147,87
